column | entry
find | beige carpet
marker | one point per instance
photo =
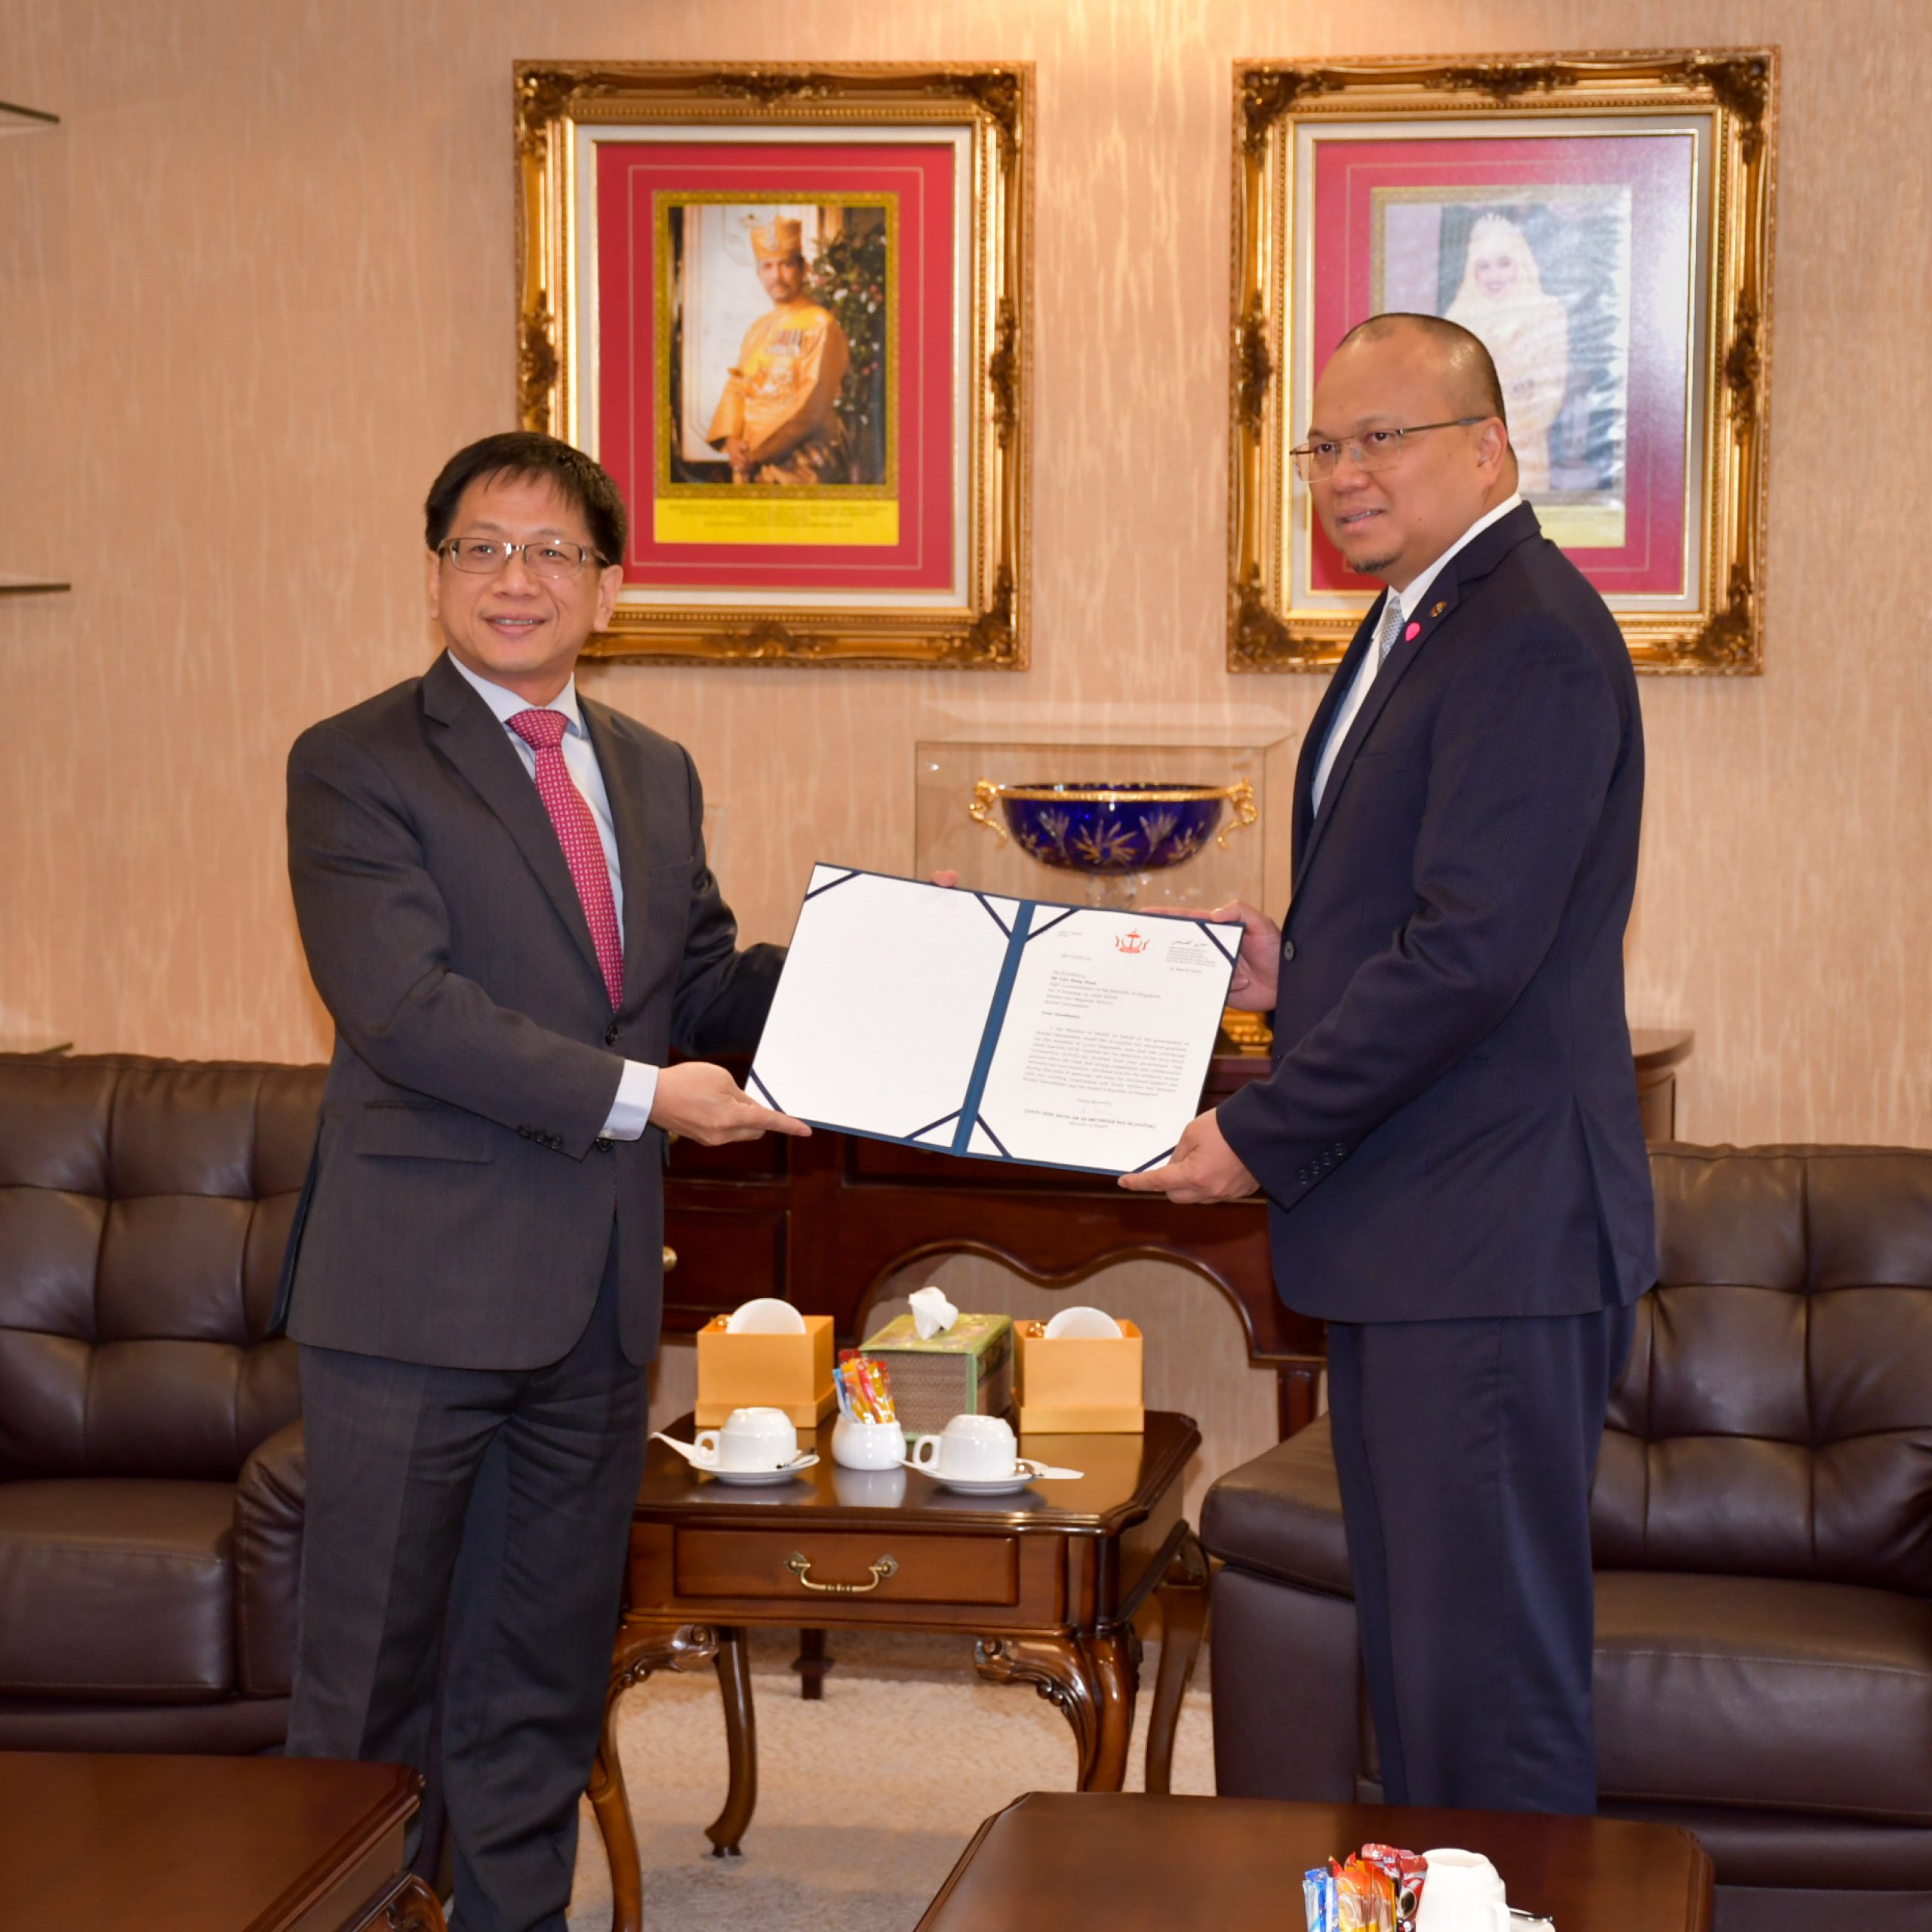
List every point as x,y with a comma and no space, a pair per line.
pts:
864,1800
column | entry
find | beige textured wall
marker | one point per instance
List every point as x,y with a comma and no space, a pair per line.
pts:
258,284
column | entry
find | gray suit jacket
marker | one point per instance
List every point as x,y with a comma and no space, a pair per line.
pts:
460,1200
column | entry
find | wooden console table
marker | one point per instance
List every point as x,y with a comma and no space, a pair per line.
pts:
824,1223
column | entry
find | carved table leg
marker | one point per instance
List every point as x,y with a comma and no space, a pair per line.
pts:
734,1681
640,1649
811,1663
1057,1667
1114,1659
1183,1597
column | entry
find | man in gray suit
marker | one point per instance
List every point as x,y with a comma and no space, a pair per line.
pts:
503,892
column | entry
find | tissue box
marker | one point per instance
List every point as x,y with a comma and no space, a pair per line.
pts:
1080,1385
788,1372
968,1370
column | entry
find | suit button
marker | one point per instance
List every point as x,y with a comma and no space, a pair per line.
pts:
524,1133
1288,948
603,1143
610,1034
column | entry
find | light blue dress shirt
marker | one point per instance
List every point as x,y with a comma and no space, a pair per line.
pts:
637,1088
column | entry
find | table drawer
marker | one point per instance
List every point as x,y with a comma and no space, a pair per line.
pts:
759,1565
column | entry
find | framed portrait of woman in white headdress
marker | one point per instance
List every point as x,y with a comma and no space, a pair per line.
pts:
1603,224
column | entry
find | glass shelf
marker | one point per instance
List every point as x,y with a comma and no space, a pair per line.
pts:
15,119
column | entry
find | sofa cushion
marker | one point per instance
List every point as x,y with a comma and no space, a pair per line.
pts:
1281,1515
1764,1692
144,1208
117,1588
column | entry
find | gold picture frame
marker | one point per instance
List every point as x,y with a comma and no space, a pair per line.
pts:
1323,152
947,584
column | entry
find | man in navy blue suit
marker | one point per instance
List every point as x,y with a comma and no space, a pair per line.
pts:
1448,1135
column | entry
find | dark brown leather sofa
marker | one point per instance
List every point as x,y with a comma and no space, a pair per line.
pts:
150,1456
1762,1520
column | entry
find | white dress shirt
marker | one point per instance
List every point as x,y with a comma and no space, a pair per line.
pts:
1410,596
637,1088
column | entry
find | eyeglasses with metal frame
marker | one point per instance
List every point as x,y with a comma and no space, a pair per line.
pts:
483,556
1374,449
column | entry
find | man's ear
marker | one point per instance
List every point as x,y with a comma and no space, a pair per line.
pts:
610,581
1492,443
432,576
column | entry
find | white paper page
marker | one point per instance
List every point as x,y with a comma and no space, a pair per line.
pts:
880,1007
1107,1038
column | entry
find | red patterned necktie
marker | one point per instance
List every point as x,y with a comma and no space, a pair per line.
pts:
543,731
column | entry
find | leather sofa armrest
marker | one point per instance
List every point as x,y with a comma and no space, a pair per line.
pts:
268,1563
1281,1515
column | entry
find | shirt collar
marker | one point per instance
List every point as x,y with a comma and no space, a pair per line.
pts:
505,705
1417,588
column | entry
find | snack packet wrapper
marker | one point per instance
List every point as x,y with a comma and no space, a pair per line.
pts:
1364,1897
1406,1871
1317,1898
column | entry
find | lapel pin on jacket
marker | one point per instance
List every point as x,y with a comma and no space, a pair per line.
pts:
1436,609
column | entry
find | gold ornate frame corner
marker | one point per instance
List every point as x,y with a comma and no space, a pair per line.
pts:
1737,87
990,630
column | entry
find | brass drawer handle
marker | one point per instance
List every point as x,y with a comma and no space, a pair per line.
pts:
800,1566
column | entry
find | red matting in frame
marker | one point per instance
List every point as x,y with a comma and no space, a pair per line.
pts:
631,177
1659,173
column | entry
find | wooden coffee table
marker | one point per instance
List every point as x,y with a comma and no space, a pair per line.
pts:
1235,1864
1049,1581
184,1844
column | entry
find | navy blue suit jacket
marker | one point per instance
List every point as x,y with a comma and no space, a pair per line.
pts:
1450,1126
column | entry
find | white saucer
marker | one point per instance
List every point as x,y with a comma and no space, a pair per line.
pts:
783,1474
979,1485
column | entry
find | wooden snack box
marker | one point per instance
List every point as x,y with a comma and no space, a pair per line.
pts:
968,1370
788,1372
1080,1385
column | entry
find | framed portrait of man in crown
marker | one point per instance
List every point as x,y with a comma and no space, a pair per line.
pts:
1602,224
787,309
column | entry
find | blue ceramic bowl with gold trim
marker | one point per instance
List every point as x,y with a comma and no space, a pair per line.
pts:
1104,830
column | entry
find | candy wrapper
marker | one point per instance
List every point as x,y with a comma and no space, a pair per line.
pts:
1364,1897
863,1388
1317,1898
1405,1871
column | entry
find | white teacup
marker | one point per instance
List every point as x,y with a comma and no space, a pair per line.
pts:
752,1439
978,1448
1463,1893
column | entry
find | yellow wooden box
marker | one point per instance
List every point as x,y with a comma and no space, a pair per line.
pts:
788,1372
1080,1385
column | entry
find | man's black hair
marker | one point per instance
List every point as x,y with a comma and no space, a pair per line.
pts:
526,454
1466,355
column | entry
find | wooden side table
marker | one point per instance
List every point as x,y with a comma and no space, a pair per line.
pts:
1048,1580
179,1844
